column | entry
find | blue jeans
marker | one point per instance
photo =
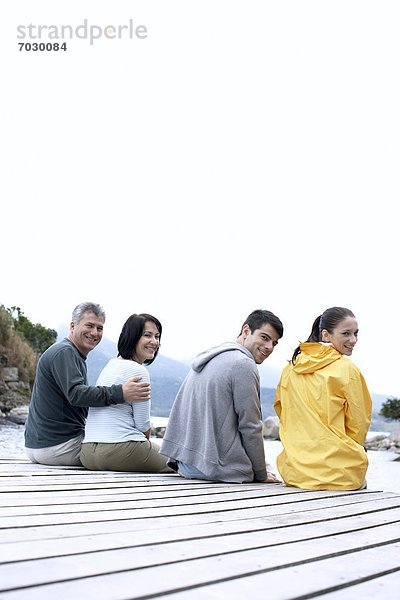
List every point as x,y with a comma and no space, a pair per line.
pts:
189,472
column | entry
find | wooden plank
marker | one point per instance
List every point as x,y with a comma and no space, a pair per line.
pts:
62,486
164,545
83,497
111,536
142,510
24,500
64,483
384,586
285,516
47,548
302,581
238,574
66,501
137,501
121,560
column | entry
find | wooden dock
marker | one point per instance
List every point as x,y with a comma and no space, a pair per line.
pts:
71,534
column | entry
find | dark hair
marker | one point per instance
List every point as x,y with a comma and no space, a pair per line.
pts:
328,320
260,317
131,333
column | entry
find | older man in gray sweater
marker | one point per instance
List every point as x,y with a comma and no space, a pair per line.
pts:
214,430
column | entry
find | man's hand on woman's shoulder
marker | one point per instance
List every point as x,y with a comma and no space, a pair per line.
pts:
135,389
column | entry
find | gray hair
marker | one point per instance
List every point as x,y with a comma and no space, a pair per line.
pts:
85,307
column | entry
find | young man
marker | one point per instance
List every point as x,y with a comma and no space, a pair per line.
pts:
214,430
58,408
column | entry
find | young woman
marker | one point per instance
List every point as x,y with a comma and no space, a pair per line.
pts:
324,408
117,436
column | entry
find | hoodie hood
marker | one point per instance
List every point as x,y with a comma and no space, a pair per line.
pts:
204,357
315,356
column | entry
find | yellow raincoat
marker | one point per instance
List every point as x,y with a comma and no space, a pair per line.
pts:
324,409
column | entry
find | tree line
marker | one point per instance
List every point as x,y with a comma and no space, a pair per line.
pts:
22,342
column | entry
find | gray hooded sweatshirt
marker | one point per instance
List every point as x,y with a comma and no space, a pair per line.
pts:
215,422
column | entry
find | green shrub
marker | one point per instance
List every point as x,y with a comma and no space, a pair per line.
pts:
391,408
22,342
38,337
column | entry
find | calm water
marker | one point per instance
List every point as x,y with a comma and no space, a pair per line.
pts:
11,439
383,472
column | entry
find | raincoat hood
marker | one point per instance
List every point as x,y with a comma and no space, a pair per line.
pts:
202,359
315,356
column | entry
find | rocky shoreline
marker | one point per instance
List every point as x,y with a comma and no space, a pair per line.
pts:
382,440
14,395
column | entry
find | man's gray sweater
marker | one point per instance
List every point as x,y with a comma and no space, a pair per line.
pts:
215,422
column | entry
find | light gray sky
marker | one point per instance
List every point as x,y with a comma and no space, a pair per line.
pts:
244,155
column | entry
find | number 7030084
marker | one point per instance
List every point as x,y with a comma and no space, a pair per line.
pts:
42,46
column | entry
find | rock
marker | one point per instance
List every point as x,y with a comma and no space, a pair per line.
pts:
10,374
20,386
383,441
13,391
158,426
11,400
395,442
395,438
374,437
271,428
377,441
18,415
158,432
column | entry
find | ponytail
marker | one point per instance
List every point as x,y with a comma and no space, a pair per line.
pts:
313,337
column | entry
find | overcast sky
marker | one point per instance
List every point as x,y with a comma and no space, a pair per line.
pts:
245,154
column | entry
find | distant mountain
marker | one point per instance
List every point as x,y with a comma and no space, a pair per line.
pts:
167,375
164,367
98,358
269,376
378,400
